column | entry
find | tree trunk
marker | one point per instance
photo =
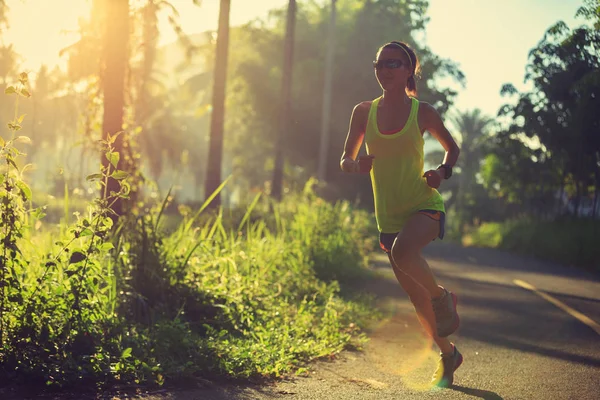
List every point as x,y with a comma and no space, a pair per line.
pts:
561,194
286,100
116,37
215,153
578,199
596,190
326,113
462,193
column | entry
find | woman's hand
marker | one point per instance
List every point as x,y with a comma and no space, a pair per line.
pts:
365,163
349,165
433,177
361,166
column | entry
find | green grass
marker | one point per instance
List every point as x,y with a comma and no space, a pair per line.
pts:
251,292
244,293
571,242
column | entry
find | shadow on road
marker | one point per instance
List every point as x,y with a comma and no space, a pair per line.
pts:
478,393
485,257
229,393
504,315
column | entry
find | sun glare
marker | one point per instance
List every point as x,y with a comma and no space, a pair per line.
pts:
38,29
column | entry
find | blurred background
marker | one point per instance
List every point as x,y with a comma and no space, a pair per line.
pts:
517,83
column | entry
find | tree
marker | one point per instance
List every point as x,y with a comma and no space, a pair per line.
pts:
215,154
471,127
560,113
326,115
286,100
255,97
157,118
3,12
115,57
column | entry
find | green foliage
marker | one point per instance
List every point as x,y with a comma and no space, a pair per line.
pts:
571,242
548,142
14,195
349,237
247,296
255,80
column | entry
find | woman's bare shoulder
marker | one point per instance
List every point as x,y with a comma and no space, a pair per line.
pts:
428,115
362,109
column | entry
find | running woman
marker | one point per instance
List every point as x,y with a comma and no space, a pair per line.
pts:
409,210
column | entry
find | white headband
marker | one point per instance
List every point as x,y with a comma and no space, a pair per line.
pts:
403,49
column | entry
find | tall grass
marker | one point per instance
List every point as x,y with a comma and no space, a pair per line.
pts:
233,293
251,292
251,299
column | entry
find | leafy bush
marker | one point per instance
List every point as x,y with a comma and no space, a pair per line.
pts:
250,295
572,242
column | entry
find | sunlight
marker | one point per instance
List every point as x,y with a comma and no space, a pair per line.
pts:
40,29
180,197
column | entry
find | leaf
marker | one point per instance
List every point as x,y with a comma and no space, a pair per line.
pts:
76,257
126,188
71,272
111,139
22,139
86,232
14,127
25,92
23,77
93,177
12,162
119,175
2,142
106,246
20,119
24,189
10,90
113,158
126,353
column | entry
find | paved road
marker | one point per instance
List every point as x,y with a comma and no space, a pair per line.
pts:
517,345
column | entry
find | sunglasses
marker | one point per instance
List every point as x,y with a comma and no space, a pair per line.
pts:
389,63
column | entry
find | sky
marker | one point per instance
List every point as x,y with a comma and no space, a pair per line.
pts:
489,39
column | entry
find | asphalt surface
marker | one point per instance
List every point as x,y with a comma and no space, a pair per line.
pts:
516,344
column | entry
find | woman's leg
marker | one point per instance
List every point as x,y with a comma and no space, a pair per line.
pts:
421,300
419,231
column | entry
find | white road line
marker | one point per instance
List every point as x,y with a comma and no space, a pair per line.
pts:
574,313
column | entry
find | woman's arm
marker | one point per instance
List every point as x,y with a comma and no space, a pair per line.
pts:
430,120
354,139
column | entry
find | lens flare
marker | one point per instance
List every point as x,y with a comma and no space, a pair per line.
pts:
400,346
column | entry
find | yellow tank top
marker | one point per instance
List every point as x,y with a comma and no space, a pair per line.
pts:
399,188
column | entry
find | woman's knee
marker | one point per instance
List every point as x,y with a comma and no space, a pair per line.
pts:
404,253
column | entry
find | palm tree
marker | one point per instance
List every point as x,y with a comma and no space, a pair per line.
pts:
471,127
215,154
286,98
326,114
3,12
116,35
